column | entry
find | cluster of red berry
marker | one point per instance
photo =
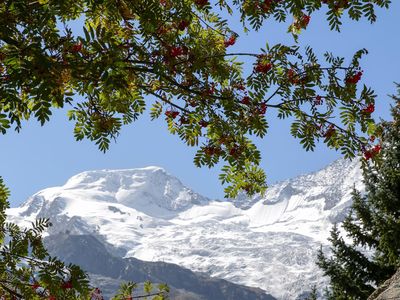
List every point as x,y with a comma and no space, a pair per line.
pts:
76,48
230,42
203,123
263,64
330,131
369,109
65,286
212,150
353,79
262,109
305,19
183,120
318,100
210,90
292,76
192,103
183,24
235,151
232,148
201,3
35,285
263,67
368,154
172,113
239,86
266,5
302,22
246,100
176,51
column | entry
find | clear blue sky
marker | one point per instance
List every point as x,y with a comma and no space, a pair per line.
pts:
41,157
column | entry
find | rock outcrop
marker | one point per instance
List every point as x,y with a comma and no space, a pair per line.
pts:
390,290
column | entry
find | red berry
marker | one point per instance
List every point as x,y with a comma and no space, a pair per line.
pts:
301,22
318,100
192,103
367,154
211,90
203,123
330,131
172,114
305,19
353,79
209,151
77,47
35,286
183,24
263,67
233,151
176,51
184,120
240,87
230,42
369,109
67,285
262,109
266,6
201,3
246,100
377,149
292,76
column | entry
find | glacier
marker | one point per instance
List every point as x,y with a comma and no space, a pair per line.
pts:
269,241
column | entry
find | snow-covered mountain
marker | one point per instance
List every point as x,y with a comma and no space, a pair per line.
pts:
108,272
267,242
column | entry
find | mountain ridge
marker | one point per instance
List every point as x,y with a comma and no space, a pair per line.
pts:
156,217
86,251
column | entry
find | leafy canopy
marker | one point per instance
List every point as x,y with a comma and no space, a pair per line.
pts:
173,58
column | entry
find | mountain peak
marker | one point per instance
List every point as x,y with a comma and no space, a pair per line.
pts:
149,190
149,214
105,176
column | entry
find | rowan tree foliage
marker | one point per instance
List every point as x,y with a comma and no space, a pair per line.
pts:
174,58
373,225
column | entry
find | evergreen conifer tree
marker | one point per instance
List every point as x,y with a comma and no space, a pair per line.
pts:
373,224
